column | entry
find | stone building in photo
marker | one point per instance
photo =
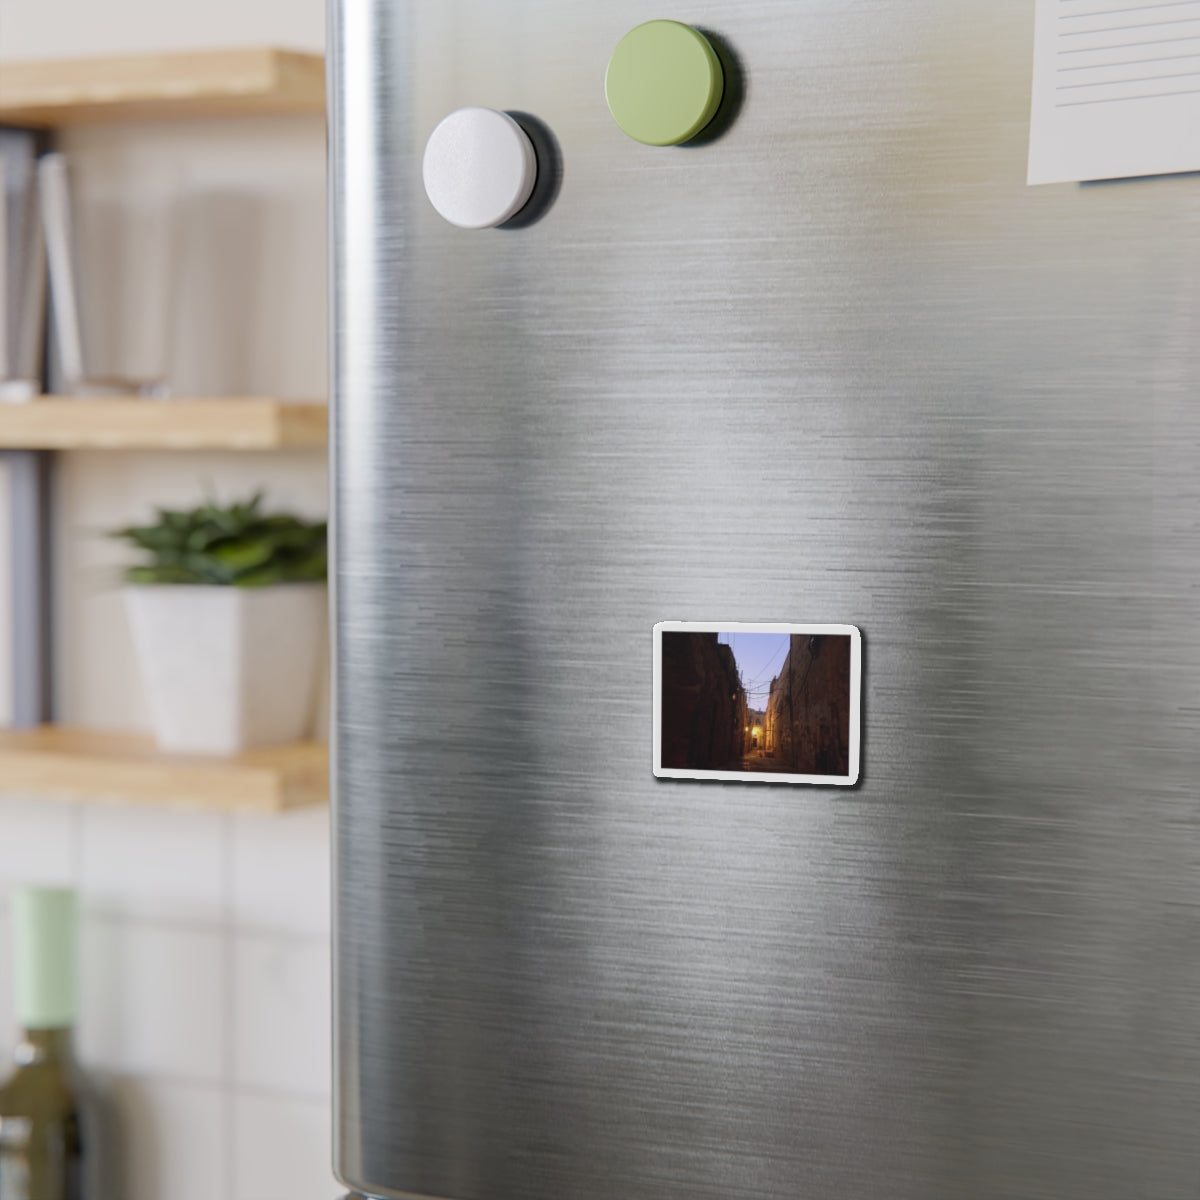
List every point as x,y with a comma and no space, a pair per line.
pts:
703,704
808,710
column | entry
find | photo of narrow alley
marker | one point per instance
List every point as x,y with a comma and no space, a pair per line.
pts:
759,703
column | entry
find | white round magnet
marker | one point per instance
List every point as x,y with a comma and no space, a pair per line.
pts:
479,168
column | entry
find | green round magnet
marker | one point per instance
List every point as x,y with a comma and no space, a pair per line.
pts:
664,83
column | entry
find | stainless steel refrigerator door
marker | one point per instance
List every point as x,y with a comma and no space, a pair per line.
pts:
839,364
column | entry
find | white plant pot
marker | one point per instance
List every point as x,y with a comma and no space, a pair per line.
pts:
227,668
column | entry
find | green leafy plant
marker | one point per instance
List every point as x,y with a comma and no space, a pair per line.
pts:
238,546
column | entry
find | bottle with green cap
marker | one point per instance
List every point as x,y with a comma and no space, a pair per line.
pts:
43,1142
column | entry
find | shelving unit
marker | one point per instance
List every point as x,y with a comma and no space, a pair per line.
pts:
219,83
43,759
227,423
79,764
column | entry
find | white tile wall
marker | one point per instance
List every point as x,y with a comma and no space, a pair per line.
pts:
38,843
65,28
282,1150
205,977
156,1000
154,864
7,1015
282,1015
281,872
171,1141
6,699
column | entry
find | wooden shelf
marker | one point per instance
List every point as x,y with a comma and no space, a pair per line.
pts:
77,764
216,83
229,423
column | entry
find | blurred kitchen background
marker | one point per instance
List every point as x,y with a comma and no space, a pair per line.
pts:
205,943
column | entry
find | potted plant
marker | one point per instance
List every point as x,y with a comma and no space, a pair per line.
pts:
228,621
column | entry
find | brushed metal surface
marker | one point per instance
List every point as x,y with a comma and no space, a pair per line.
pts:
839,364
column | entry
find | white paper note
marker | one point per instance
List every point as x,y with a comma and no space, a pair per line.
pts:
1116,89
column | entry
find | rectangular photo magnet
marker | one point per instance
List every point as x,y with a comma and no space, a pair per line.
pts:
757,702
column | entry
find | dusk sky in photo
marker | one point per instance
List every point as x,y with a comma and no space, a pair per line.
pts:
759,657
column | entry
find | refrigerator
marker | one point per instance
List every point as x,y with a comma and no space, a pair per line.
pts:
830,362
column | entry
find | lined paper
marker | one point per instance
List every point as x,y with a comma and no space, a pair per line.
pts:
1116,89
